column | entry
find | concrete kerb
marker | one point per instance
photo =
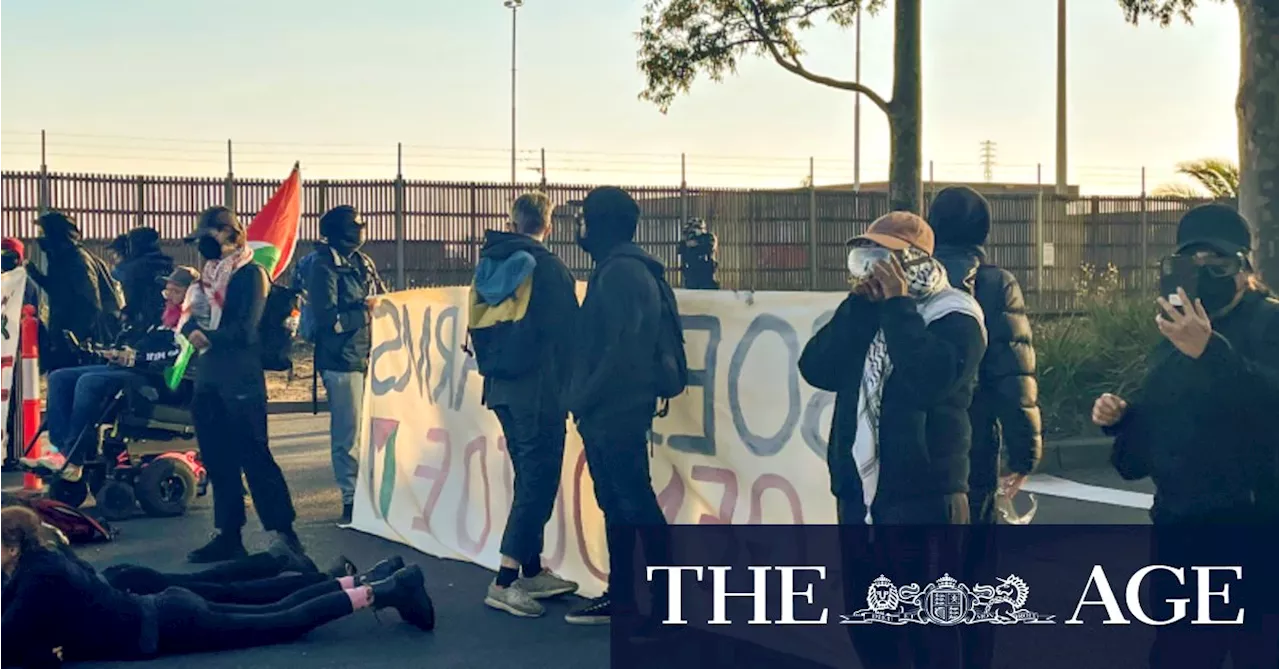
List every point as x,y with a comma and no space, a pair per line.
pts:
1060,455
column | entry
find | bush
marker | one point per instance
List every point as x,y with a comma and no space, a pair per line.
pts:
1102,349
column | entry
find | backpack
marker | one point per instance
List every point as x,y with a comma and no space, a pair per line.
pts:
278,326
672,366
502,336
72,523
306,315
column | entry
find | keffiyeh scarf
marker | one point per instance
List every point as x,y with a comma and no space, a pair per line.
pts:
205,297
934,298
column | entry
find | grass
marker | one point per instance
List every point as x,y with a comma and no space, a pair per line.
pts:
1103,349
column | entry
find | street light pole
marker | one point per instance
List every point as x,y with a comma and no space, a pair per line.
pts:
857,103
513,5
1060,167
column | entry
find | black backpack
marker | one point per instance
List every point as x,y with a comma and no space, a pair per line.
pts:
672,367
278,326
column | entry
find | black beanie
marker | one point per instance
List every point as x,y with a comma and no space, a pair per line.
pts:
611,216
340,221
959,215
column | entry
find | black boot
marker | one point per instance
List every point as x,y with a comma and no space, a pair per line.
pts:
342,567
287,548
381,571
223,547
406,592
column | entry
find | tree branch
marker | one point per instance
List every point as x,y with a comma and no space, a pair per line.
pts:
794,66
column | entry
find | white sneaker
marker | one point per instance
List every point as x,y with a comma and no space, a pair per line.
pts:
514,600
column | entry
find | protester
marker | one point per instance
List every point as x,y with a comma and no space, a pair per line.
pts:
74,292
340,282
56,608
13,253
143,266
612,393
1005,409
522,326
119,252
902,353
77,396
176,285
230,402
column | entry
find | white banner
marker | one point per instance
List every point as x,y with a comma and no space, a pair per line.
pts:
12,285
746,443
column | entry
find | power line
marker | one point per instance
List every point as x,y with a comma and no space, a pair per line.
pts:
988,157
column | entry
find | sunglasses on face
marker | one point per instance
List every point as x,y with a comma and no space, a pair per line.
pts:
1216,265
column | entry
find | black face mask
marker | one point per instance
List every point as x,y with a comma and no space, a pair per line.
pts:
9,261
1215,292
348,239
209,247
583,241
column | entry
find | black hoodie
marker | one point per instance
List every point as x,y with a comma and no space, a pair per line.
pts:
72,290
618,334
1006,405
141,276
553,308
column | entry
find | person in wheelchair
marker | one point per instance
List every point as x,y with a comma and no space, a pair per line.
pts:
79,395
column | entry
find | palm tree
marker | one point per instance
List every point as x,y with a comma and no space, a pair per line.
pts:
1218,178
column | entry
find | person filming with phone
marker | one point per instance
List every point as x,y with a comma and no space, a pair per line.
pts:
1203,427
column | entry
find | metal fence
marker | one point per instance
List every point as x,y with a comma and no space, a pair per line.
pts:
429,233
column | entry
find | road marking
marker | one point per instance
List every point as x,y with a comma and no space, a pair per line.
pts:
1045,484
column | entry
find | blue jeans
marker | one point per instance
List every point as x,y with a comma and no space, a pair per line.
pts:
345,391
77,397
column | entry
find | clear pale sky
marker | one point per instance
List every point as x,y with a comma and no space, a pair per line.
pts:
157,87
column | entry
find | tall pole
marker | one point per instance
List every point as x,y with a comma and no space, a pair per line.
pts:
857,103
1061,166
513,5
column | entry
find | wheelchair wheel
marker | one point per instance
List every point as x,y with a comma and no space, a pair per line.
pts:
116,500
69,492
165,487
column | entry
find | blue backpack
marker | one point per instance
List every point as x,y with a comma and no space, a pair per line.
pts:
306,317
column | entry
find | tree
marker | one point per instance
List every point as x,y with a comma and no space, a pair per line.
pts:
680,39
1257,127
1220,179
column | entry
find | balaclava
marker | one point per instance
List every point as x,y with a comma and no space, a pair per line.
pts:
343,228
960,216
611,216
143,241
58,230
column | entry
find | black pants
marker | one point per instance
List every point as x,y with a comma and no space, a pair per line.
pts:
231,428
979,641
189,624
913,548
257,579
536,445
617,450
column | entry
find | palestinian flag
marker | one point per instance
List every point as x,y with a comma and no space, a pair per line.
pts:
274,231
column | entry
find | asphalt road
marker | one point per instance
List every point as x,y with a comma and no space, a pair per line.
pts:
468,633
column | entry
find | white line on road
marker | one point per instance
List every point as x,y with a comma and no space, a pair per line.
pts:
1060,487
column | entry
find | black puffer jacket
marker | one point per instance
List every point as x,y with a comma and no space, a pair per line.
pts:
1006,404
73,290
140,276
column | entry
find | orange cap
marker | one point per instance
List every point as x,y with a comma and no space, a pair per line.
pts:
897,230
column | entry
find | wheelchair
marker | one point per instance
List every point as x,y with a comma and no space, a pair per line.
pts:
142,452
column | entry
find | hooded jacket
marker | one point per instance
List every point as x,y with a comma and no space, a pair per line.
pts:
337,286
505,260
1006,407
924,430
72,289
1204,429
618,334
141,277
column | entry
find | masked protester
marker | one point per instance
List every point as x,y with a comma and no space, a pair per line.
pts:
75,291
229,405
902,354
1203,427
698,257
613,391
526,359
143,266
340,282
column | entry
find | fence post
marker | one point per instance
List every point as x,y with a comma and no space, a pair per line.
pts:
1039,236
813,230
543,169
229,188
399,218
142,202
1144,232
43,195
684,194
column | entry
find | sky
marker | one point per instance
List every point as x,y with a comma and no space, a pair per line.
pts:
158,87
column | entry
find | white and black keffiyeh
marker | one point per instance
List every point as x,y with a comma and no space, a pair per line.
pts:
934,298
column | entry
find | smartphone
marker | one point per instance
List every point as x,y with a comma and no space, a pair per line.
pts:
1179,272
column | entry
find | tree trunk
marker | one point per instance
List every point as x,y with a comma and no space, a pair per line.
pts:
1256,110
905,127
